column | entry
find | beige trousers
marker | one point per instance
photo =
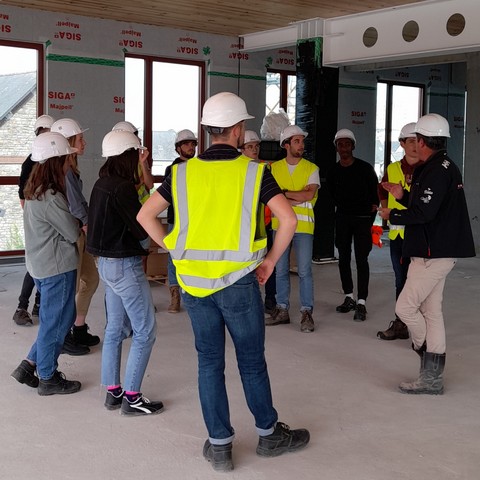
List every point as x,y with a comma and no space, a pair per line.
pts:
419,305
87,277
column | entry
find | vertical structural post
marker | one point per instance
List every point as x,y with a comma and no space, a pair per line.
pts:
316,113
471,170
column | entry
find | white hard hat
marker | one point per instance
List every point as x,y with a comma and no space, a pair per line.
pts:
251,136
408,131
43,121
344,133
223,110
48,145
433,125
291,131
185,136
118,141
126,126
68,127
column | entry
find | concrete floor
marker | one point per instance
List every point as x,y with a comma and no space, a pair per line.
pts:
340,382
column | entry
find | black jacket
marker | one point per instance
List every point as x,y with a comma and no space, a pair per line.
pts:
168,171
436,220
113,230
353,188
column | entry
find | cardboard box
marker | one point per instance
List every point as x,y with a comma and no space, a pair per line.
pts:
157,261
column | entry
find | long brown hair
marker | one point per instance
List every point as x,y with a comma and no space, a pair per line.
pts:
46,176
73,156
124,165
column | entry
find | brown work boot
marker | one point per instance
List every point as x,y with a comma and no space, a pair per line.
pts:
280,315
306,324
174,306
396,329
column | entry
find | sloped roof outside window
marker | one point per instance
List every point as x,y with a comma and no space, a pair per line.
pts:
14,89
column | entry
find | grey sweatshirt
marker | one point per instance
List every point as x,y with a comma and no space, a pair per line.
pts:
51,232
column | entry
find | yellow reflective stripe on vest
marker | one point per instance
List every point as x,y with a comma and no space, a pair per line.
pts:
395,175
215,284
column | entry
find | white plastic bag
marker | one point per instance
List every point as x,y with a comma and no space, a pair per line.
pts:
273,124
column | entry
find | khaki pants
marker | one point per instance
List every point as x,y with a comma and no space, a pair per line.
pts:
419,305
87,277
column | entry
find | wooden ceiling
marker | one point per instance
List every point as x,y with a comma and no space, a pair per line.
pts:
224,17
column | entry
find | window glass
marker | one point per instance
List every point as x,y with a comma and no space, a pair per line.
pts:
175,100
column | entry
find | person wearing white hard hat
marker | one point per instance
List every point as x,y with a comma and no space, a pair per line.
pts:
146,181
353,185
251,149
218,248
399,172
300,180
114,237
51,233
437,232
185,145
79,339
21,315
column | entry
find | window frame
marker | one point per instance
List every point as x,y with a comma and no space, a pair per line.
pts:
148,97
39,47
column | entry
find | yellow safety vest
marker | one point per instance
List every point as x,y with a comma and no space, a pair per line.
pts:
219,232
143,193
395,175
295,182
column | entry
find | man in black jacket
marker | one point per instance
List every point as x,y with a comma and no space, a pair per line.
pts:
437,232
353,185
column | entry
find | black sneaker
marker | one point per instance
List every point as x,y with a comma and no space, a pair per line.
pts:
282,440
36,311
360,313
22,317
71,347
112,401
220,456
140,406
58,385
348,305
82,337
25,373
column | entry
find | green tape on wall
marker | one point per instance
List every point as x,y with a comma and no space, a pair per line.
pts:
235,75
86,60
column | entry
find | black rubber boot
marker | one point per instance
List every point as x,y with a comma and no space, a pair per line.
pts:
420,351
430,380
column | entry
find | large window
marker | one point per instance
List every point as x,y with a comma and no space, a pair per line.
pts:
162,97
281,93
397,105
21,101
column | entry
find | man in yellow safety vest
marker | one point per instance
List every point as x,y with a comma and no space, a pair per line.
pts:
218,246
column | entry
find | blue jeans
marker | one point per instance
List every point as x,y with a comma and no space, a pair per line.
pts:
239,309
302,244
130,310
399,264
57,315
171,270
